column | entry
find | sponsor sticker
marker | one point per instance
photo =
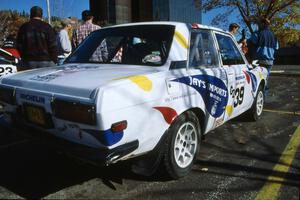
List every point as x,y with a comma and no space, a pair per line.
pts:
212,89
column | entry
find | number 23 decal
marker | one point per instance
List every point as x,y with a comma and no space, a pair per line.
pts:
6,70
237,95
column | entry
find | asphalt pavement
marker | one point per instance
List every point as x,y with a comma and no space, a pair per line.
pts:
292,70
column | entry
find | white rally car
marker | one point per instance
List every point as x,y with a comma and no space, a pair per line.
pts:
149,91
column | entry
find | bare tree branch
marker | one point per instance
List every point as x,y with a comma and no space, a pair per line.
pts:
247,7
245,18
283,6
270,7
258,8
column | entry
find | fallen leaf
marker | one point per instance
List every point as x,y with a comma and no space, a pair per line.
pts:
204,169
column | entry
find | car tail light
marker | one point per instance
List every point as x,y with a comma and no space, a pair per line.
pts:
195,25
119,126
74,111
7,95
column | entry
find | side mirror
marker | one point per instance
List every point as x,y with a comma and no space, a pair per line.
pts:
255,63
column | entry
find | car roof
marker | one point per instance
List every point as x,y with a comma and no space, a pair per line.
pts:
191,25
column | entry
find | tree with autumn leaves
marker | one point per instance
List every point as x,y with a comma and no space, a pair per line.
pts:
283,14
10,22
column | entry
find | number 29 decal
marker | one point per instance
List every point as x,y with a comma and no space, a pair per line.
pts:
238,95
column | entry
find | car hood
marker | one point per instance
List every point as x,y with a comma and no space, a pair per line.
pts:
74,79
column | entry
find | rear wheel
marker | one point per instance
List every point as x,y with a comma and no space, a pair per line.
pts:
182,145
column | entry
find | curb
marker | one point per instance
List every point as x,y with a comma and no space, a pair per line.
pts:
284,73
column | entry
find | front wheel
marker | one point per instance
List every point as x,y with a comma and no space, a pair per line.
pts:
182,145
256,110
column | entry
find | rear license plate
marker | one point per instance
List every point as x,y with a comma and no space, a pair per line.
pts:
35,115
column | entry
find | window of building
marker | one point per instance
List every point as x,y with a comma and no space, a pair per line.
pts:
229,51
202,51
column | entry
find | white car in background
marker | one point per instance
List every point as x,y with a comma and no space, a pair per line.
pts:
7,63
160,89
7,66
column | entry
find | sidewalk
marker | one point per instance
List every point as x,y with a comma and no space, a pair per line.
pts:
288,70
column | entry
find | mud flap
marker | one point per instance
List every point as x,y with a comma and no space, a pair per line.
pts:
148,164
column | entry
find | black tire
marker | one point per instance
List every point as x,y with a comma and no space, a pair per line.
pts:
182,145
256,110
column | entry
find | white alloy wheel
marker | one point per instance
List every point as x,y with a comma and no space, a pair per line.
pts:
259,103
185,144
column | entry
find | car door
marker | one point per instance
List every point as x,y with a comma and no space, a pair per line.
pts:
208,77
237,73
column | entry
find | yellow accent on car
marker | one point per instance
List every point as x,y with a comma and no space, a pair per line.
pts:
261,76
181,39
142,81
229,110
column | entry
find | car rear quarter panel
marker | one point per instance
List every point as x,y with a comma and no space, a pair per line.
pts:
147,105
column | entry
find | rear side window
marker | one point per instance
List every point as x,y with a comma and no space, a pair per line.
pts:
202,52
229,52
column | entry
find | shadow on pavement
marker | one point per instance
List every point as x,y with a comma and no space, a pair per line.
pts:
33,171
260,174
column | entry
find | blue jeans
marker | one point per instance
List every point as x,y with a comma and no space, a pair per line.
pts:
268,67
61,61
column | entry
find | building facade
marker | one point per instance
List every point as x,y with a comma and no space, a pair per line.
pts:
125,11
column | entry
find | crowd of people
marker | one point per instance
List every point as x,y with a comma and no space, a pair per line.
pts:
261,46
38,45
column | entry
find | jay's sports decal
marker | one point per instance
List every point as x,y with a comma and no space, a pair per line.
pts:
212,89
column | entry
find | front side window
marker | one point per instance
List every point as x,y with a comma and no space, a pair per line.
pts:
229,52
202,51
135,45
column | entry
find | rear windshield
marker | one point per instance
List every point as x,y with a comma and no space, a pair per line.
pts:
136,45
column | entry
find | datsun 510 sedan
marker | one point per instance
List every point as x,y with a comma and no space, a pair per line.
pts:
148,91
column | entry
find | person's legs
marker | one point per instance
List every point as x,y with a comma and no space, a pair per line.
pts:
40,64
268,67
61,61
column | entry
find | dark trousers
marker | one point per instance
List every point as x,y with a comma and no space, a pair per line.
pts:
37,64
268,67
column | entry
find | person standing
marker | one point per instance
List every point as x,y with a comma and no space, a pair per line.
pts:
263,45
36,41
233,29
10,46
63,40
84,30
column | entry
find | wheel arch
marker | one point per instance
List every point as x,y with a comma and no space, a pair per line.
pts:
201,118
262,84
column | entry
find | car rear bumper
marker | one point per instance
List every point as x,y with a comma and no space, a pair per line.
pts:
101,156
